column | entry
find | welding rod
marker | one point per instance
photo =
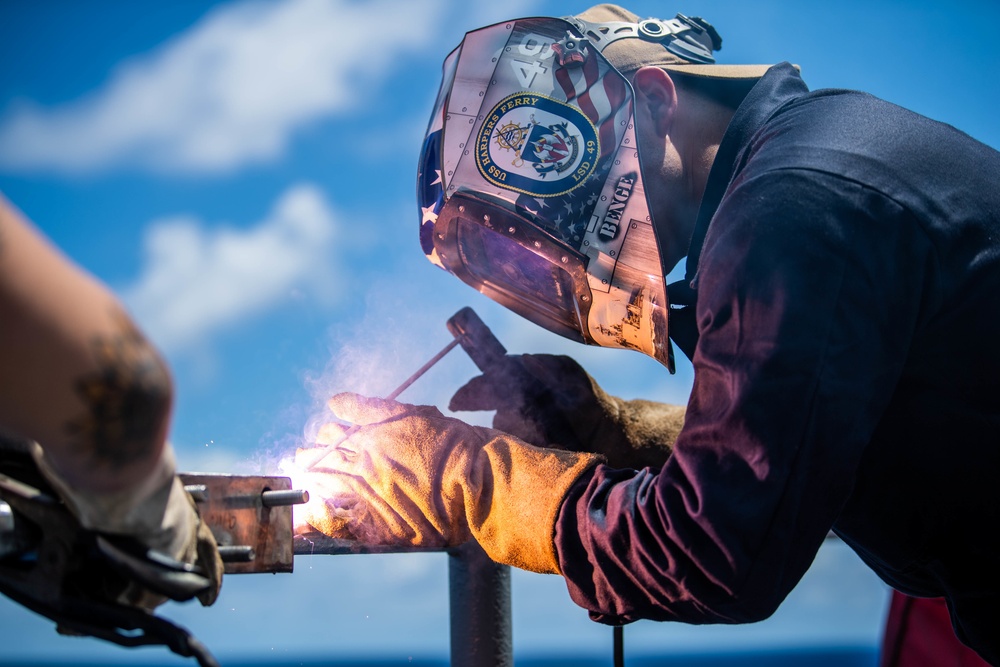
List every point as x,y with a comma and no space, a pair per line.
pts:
391,397
420,371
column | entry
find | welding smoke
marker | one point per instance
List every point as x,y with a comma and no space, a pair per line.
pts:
370,356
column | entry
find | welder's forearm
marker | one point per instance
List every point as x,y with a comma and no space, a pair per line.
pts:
513,517
671,570
78,377
633,434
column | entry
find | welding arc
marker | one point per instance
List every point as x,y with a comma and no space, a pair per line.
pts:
391,397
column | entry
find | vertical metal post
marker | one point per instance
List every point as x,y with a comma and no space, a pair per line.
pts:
479,597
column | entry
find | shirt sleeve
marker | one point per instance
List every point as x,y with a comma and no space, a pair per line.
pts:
809,290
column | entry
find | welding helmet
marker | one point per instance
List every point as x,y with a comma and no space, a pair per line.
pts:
529,183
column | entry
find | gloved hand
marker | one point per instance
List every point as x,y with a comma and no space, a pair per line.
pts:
411,476
156,512
550,401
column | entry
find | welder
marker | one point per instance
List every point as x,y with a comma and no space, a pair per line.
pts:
840,307
90,397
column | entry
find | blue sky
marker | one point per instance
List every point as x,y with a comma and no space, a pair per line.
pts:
242,174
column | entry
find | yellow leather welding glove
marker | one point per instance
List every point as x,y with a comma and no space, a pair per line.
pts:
157,512
550,401
411,476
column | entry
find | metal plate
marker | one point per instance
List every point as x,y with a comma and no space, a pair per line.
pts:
235,511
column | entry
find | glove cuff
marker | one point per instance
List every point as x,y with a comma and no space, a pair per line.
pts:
157,510
515,524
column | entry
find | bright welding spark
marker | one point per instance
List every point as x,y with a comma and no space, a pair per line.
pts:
300,480
287,467
331,504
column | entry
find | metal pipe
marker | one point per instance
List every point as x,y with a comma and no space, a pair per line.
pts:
479,600
270,498
318,544
478,596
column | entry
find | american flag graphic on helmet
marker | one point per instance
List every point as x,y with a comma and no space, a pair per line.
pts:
602,98
566,217
430,193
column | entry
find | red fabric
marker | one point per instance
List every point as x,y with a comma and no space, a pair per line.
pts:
918,633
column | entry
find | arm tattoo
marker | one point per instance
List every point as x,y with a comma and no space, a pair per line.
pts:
127,400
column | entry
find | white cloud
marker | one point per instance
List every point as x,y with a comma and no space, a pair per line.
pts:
198,281
229,91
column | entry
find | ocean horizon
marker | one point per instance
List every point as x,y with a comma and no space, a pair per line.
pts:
834,657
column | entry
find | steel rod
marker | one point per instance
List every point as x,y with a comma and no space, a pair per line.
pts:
198,492
236,553
283,498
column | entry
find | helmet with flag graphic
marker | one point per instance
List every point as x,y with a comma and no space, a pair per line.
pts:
529,181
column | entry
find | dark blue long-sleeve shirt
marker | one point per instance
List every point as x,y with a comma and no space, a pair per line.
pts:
846,263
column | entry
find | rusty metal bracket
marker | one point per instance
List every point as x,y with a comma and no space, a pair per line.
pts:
250,517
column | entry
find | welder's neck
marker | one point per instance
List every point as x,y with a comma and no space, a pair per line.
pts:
701,124
699,131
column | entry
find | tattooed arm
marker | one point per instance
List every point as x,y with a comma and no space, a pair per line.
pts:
75,373
79,379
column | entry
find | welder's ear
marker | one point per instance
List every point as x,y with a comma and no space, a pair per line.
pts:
655,99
